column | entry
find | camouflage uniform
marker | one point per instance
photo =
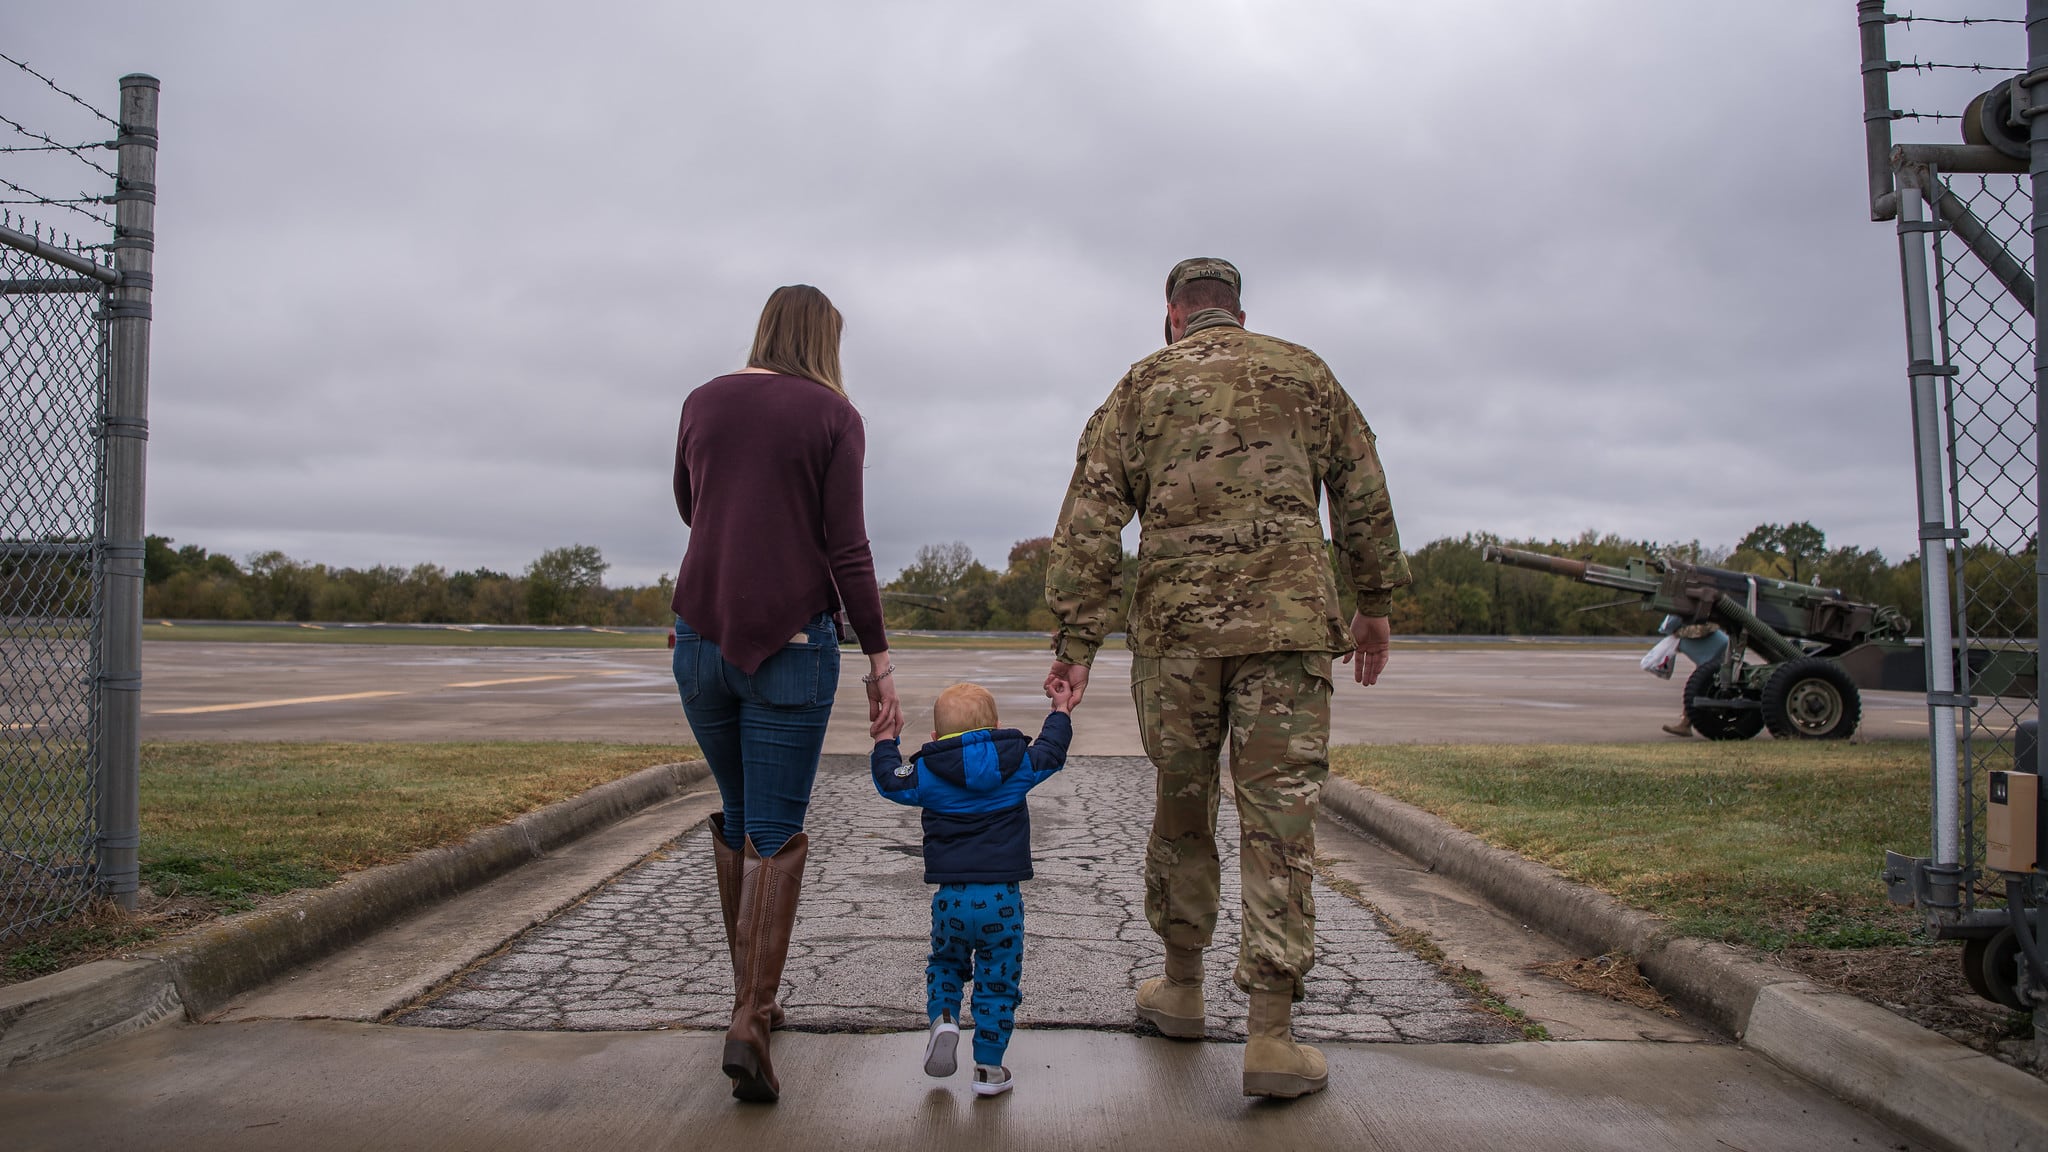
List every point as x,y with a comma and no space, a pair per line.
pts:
1221,444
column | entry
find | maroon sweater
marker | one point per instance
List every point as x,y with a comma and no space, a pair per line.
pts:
768,477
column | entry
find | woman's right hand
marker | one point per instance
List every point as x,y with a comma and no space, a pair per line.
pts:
885,712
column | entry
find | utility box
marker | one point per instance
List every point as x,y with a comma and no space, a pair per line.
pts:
2013,829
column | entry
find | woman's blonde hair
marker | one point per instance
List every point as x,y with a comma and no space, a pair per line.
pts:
799,336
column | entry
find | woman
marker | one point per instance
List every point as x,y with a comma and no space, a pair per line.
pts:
768,477
1703,644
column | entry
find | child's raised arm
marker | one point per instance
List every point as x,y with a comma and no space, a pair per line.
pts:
894,779
1048,753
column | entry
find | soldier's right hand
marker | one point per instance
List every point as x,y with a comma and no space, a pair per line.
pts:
1370,637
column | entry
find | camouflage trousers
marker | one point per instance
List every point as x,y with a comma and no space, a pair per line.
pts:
1274,709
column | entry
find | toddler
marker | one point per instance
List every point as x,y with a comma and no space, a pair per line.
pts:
971,783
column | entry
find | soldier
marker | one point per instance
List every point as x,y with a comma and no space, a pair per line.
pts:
1221,445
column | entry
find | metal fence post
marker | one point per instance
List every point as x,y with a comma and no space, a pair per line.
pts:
2037,140
1931,474
126,427
1877,107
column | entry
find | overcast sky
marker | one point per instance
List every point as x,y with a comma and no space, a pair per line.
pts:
433,279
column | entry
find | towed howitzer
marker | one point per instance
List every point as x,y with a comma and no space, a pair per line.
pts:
1817,648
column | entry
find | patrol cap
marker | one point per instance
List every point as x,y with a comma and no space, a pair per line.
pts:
1203,268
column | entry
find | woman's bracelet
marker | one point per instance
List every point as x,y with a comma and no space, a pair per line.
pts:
878,677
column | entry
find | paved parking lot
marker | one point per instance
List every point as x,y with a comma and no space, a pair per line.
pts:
1522,693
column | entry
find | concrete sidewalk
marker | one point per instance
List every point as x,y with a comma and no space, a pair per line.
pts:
315,1086
648,950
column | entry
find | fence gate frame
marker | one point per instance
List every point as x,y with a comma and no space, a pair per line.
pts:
1974,334
115,551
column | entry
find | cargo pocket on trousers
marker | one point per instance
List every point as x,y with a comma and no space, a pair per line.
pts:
1301,892
1145,696
1319,667
1308,725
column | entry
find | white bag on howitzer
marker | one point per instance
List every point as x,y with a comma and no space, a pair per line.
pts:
1659,660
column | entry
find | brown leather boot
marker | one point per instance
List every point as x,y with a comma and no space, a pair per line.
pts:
1682,728
1274,1065
1173,1003
769,887
727,861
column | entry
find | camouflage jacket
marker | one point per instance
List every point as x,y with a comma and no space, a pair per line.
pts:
1221,445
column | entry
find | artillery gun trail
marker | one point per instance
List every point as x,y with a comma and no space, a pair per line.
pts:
1816,650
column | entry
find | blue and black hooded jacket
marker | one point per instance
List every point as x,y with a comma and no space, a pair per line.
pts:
977,829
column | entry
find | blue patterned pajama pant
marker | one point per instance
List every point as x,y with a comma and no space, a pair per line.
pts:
977,931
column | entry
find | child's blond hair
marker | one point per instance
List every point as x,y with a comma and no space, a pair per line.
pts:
963,708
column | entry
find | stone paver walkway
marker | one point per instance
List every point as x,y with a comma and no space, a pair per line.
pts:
648,950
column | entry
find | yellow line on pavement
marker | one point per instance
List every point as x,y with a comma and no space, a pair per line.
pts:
615,672
511,680
269,703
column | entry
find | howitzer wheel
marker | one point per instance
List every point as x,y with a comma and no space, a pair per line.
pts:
1992,967
1718,721
1811,699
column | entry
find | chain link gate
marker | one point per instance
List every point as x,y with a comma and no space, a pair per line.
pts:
74,339
1966,225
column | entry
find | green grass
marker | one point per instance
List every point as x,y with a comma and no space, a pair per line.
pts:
233,820
226,823
95,932
435,638
1765,843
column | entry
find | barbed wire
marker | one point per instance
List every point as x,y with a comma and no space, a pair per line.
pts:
1918,65
52,85
51,234
1909,18
1909,115
69,203
77,151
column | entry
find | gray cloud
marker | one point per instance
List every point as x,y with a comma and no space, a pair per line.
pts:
433,282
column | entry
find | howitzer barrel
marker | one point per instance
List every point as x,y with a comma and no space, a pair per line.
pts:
1584,571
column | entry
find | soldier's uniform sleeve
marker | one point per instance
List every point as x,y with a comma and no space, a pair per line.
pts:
1361,514
1084,584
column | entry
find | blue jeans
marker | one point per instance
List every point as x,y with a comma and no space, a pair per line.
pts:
762,733
977,933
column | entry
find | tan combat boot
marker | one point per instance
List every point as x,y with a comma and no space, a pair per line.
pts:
1173,1003
1274,1065
1682,728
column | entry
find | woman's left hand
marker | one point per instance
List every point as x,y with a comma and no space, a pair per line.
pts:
885,712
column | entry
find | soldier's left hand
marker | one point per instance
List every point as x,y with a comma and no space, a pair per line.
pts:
1074,676
1370,637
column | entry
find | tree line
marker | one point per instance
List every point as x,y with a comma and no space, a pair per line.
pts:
1455,591
561,586
946,587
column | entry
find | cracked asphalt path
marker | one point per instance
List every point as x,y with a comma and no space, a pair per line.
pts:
647,950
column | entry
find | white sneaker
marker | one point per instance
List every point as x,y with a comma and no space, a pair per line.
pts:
939,1058
991,1080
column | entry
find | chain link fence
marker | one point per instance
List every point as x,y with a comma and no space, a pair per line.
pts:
74,355
53,378
1982,244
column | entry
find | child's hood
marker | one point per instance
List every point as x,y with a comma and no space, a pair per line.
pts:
977,761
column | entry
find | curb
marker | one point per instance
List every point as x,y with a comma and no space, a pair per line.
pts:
197,976
1909,1076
